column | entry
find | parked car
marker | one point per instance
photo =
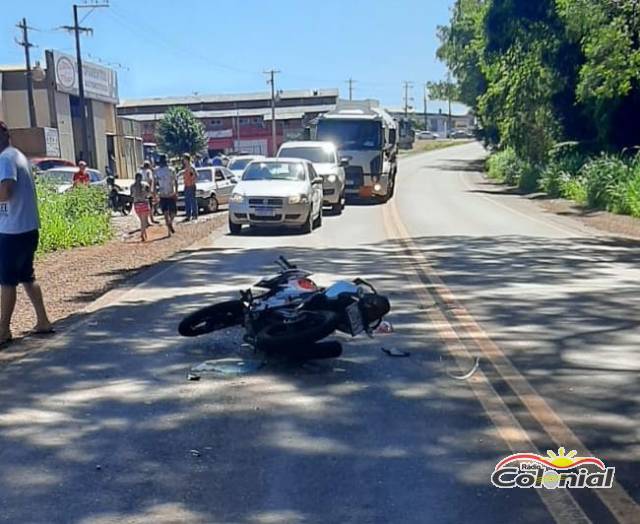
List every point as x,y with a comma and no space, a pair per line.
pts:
213,188
45,163
324,157
460,133
426,135
277,192
238,163
62,178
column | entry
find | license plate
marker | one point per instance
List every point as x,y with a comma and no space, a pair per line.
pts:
264,211
356,323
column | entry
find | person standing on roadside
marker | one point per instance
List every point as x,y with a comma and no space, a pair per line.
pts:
81,177
167,183
140,193
19,233
148,178
190,176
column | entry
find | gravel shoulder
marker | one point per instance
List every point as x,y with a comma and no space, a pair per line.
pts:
72,279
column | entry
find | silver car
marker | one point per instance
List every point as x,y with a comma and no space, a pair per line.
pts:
277,192
213,188
324,157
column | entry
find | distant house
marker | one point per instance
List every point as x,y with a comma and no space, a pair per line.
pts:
438,117
238,122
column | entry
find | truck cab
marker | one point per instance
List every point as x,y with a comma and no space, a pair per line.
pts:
368,136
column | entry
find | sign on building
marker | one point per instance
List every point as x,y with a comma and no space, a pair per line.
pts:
52,142
100,83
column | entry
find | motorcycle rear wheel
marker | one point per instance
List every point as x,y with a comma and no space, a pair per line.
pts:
310,327
212,318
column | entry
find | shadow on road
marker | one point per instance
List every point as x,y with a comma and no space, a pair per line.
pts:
105,425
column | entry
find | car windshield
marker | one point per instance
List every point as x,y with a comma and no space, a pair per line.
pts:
274,171
351,134
239,163
205,175
54,176
317,155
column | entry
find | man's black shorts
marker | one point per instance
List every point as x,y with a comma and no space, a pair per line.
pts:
168,205
16,258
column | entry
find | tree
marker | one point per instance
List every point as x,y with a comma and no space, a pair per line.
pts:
180,132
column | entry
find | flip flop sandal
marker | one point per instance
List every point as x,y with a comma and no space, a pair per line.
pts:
41,332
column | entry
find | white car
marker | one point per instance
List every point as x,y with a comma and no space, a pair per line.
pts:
427,135
277,192
62,178
324,157
238,163
213,188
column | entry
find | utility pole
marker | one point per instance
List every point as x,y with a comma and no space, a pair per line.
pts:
426,117
25,43
272,73
77,29
351,81
407,85
449,99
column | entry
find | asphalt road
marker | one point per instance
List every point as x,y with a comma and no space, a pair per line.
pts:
101,425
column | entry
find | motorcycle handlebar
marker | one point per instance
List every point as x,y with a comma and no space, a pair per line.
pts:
362,282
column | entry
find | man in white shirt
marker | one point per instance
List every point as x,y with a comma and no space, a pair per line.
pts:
167,184
19,230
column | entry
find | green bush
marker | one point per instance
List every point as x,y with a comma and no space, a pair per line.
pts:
79,217
606,177
565,162
507,168
575,189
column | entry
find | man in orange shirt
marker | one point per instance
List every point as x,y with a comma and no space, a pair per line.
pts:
81,177
190,177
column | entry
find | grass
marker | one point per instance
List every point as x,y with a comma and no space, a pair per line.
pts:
79,217
424,146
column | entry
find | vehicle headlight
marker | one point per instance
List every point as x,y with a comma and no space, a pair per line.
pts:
377,187
201,192
332,179
298,199
237,198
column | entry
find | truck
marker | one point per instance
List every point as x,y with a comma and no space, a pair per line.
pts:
366,137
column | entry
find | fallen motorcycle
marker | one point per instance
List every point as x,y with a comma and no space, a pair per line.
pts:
292,313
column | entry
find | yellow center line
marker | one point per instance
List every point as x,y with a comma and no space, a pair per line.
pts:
560,503
619,502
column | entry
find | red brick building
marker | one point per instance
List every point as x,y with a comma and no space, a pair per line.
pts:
240,122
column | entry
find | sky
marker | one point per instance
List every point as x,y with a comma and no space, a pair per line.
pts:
180,47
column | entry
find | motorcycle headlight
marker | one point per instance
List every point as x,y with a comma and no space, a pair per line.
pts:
332,179
298,199
237,198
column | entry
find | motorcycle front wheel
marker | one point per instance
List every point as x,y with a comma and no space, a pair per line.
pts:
212,318
308,327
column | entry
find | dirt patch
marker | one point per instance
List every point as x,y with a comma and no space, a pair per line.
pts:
620,225
74,278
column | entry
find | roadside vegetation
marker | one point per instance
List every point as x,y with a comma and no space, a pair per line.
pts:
79,217
555,85
422,146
